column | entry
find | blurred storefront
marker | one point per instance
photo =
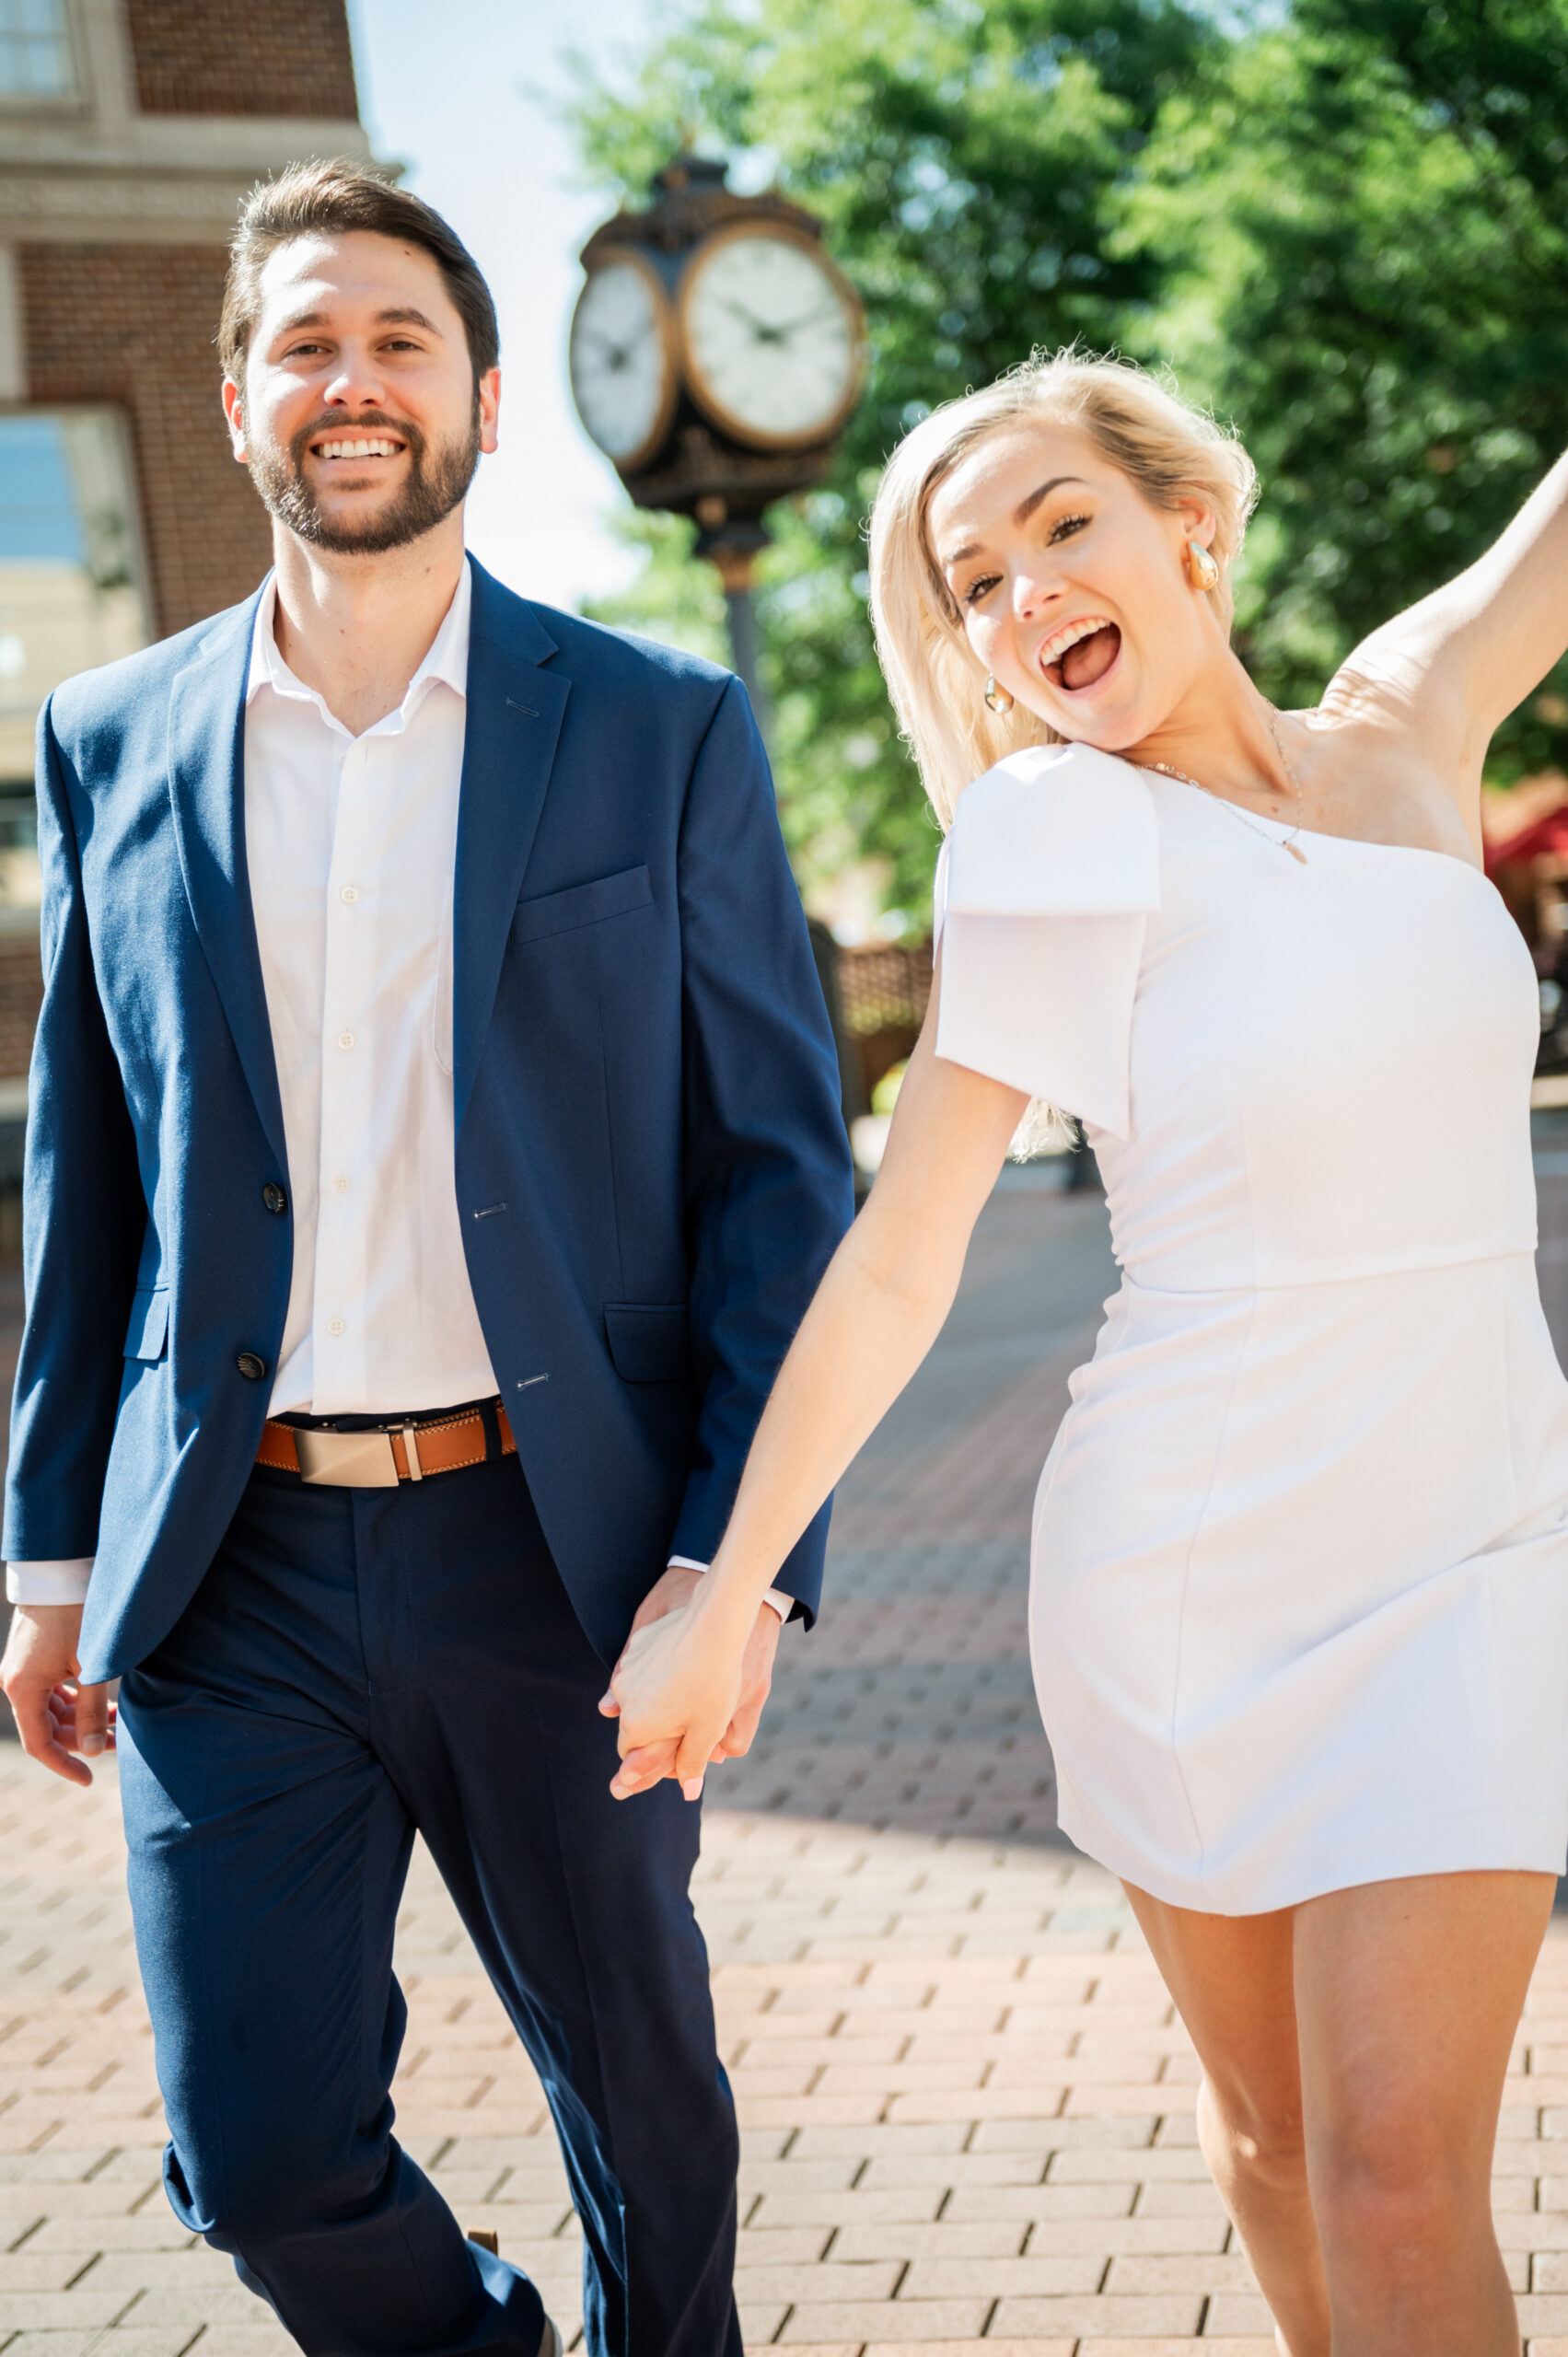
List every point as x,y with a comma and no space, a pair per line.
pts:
1526,835
129,130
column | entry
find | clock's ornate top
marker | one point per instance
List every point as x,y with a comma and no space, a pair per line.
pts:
691,201
717,352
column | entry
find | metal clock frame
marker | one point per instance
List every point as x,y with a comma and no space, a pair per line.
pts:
670,340
780,233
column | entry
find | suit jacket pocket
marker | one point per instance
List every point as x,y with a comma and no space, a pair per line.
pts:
648,1341
146,1337
580,904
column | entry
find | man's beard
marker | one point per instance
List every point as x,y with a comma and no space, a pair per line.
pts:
434,484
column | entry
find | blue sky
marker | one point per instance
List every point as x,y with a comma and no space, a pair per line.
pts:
443,91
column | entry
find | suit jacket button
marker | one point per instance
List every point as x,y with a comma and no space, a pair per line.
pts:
274,1197
250,1366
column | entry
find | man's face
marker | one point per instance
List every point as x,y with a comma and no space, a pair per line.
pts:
359,417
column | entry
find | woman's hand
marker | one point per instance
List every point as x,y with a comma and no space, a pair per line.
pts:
876,1313
675,1689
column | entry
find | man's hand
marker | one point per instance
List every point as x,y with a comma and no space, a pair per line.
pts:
56,1715
671,1594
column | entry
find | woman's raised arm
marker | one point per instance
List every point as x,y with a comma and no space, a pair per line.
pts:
1460,661
879,1309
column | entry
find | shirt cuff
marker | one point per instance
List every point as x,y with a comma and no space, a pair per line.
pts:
782,1604
61,1583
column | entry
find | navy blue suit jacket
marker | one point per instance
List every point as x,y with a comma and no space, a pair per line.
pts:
651,1165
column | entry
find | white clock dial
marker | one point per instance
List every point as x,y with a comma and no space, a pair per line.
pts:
622,361
772,337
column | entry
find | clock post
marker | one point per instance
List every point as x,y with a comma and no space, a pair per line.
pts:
732,549
716,354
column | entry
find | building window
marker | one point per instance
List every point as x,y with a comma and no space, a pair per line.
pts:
35,51
70,596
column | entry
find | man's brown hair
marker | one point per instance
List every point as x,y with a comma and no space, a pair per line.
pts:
329,199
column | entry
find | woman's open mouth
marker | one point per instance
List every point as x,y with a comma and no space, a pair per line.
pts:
1080,654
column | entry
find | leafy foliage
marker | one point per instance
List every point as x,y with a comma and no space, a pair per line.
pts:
1347,231
965,157
1368,252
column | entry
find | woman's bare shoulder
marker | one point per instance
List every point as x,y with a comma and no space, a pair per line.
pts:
1374,773
1452,666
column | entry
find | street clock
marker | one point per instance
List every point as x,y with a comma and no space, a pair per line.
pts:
771,332
622,358
717,352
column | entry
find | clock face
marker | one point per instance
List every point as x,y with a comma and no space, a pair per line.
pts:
772,337
621,359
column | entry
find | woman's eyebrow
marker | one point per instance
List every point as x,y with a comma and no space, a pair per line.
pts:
1021,513
1025,508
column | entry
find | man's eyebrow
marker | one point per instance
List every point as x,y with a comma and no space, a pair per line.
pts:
404,315
401,315
1021,513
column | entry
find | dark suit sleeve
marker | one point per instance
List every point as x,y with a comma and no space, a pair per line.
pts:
83,1218
767,1171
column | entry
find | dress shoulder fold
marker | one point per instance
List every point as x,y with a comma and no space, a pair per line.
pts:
1043,891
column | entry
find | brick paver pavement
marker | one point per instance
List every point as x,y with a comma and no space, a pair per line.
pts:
966,2107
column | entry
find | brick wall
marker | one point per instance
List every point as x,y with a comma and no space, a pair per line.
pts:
21,995
290,57
134,325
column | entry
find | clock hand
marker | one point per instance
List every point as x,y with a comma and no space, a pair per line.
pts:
779,332
617,354
760,329
823,311
602,343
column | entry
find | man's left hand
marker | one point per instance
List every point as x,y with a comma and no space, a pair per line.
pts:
671,1594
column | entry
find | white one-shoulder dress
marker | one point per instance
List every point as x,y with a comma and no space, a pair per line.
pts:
1299,1595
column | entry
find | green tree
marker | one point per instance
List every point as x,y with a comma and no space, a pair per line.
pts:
1346,230
1361,220
966,158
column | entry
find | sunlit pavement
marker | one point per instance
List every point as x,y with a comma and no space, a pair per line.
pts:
967,2111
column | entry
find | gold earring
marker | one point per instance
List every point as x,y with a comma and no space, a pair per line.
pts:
1202,570
997,699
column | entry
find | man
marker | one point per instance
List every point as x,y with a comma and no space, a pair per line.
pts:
434,1145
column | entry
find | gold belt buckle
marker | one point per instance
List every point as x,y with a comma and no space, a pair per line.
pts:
346,1460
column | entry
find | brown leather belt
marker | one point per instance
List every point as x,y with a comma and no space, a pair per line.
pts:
379,1460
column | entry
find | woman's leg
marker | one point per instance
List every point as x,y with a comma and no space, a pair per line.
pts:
1356,2046
1407,1998
1231,1977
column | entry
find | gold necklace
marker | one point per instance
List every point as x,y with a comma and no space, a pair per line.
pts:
1290,842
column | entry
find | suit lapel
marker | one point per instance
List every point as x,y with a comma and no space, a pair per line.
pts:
206,773
515,711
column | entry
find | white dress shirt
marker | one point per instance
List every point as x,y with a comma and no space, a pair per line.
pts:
351,844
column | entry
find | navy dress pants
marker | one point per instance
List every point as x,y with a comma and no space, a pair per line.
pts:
358,1665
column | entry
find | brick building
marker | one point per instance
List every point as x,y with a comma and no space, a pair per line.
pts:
129,130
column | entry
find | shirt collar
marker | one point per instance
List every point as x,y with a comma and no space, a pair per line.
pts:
446,663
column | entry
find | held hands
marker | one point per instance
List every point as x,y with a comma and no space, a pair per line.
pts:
689,1687
56,1715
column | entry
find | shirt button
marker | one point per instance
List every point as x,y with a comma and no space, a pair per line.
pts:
274,1197
339,1186
251,1368
336,1326
345,1039
349,894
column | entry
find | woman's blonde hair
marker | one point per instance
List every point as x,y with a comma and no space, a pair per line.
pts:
1170,451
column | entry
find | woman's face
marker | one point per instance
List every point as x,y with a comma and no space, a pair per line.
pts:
1073,589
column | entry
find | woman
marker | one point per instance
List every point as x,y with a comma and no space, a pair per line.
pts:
1299,1611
